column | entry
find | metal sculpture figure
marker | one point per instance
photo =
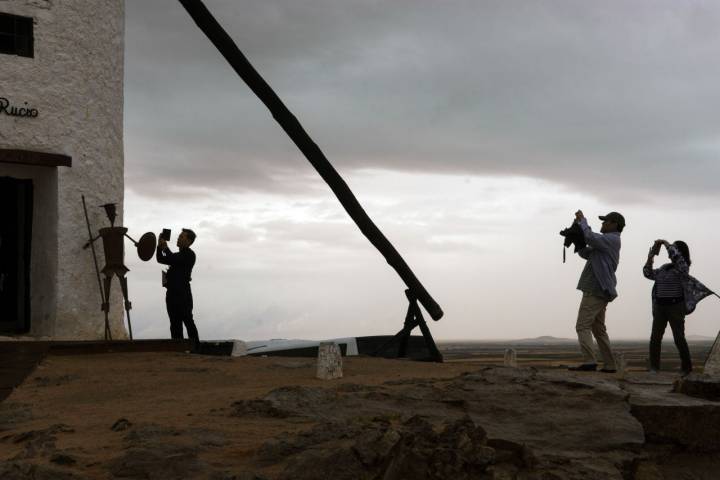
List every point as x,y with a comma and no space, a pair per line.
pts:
113,246
227,47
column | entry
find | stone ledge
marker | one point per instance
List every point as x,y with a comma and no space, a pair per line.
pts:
673,418
700,386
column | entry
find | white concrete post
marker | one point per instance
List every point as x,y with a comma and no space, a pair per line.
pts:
329,363
510,358
239,349
620,365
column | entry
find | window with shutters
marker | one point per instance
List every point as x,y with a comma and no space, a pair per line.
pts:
16,35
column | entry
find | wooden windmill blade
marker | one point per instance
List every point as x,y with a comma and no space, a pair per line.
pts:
227,47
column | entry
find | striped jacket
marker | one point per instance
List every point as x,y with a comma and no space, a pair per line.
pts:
676,271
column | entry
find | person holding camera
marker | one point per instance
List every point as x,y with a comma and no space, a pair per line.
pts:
668,300
597,282
178,298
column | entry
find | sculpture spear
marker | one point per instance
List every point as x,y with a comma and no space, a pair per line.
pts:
227,47
108,334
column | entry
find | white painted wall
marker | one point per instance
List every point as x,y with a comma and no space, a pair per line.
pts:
75,81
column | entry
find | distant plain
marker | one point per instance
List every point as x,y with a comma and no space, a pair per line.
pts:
552,352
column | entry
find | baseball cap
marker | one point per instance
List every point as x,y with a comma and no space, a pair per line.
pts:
614,217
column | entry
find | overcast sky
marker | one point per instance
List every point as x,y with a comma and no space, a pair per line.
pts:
470,131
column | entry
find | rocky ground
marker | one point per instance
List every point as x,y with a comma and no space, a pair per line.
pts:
171,415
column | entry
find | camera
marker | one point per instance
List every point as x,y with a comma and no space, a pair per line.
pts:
165,235
574,236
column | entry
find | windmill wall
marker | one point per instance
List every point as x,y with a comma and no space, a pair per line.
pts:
61,136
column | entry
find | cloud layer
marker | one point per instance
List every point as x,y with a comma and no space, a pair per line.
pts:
620,92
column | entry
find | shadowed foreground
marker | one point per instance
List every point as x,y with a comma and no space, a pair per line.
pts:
173,415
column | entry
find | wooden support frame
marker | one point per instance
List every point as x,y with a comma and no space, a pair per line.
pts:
413,318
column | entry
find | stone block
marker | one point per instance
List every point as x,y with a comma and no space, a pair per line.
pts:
329,362
510,358
620,365
679,420
239,348
699,385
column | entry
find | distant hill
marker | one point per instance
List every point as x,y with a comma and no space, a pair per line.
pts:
548,340
699,338
543,340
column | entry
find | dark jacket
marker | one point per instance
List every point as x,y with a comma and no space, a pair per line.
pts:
181,264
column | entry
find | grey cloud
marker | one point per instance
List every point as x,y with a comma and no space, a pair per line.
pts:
278,235
621,92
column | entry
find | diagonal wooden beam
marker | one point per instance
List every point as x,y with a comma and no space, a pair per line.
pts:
228,49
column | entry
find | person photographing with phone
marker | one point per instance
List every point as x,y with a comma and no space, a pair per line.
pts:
178,297
670,304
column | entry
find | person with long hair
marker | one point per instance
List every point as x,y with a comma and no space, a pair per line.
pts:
669,300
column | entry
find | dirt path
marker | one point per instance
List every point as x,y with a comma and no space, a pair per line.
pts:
174,415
